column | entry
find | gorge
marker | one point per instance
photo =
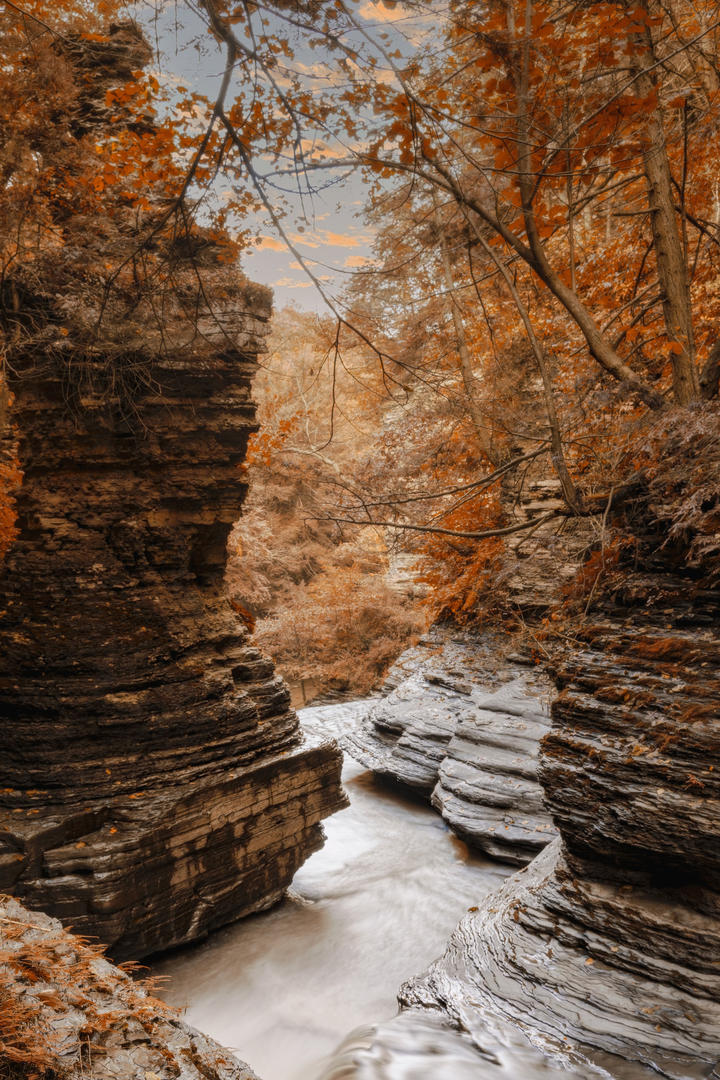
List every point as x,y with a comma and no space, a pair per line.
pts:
600,958
572,967
522,845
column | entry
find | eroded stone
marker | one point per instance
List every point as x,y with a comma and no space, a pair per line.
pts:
462,723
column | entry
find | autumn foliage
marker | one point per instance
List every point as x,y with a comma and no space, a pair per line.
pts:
547,259
544,290
62,1007
318,593
104,263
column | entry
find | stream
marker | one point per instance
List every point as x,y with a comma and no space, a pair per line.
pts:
376,905
308,990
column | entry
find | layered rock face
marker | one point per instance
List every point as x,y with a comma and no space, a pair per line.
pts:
632,765
606,950
68,1012
463,714
155,781
461,723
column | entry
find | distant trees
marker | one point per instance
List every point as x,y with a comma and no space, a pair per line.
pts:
317,593
548,217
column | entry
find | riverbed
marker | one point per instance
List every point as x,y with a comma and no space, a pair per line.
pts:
376,905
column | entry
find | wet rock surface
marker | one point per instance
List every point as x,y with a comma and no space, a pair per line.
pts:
461,723
155,781
82,1017
588,971
419,1044
632,765
605,951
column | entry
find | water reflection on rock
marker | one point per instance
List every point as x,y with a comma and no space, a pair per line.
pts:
416,1046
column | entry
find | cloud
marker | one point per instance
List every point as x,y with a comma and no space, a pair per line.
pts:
385,75
380,13
318,148
356,260
334,239
270,243
305,240
320,71
291,283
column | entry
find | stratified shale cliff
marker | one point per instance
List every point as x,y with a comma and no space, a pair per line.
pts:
155,782
605,951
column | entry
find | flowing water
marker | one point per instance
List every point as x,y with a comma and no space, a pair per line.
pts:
373,907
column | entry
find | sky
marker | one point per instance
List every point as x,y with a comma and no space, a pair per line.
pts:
328,227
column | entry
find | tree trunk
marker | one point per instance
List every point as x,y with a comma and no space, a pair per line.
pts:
667,243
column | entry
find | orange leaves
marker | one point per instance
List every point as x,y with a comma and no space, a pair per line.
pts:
123,95
462,574
57,975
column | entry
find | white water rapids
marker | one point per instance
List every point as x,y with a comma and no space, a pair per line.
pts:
376,905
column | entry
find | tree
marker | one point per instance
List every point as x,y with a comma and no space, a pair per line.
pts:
541,116
316,592
556,162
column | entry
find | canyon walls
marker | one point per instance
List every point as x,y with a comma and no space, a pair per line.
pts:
461,724
605,951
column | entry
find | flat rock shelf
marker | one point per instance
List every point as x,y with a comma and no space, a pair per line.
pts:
461,723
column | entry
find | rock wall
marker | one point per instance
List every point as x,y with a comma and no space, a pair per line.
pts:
463,714
461,723
606,950
69,1013
155,781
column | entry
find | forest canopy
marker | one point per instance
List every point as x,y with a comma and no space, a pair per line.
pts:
540,315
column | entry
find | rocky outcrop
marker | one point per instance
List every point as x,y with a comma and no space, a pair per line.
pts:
155,781
463,714
593,973
606,949
632,765
461,724
68,1013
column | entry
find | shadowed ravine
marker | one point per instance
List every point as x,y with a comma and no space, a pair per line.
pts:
369,910
283,989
